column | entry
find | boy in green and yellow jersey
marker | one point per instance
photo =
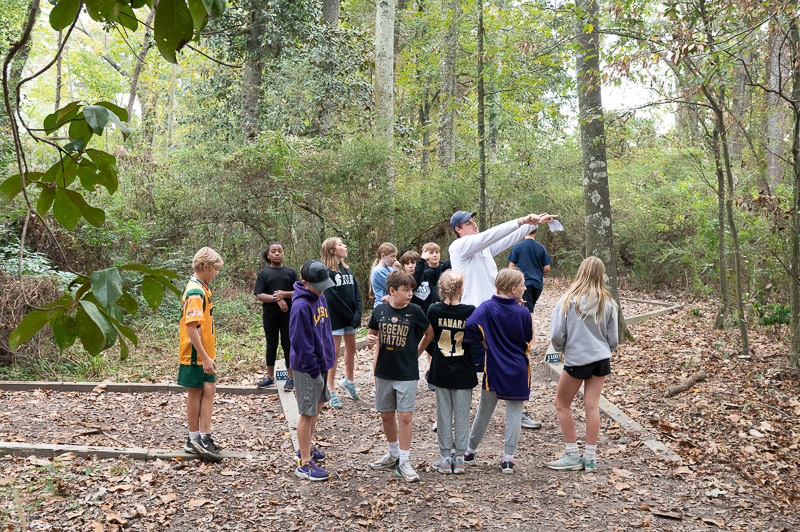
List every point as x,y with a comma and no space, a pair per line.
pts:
198,369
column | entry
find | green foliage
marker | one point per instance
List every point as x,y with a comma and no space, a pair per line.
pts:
773,313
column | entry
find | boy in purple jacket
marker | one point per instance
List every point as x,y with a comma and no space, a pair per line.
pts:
311,357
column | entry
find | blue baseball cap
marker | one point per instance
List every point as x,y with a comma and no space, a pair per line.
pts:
460,217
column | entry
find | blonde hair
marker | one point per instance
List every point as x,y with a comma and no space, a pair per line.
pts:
590,283
206,256
507,279
326,255
387,248
409,256
431,246
451,285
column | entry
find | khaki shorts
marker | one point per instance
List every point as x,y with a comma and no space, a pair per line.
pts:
193,376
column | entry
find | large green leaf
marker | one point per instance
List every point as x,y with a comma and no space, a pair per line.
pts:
102,324
64,13
65,330
107,286
103,10
96,117
116,109
173,27
65,211
81,133
128,303
127,18
147,269
93,215
216,8
107,166
152,291
199,14
166,284
46,197
10,188
55,120
30,325
122,127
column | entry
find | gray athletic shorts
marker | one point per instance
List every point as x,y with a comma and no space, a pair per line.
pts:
395,395
310,391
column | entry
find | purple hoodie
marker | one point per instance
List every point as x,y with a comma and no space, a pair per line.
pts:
310,332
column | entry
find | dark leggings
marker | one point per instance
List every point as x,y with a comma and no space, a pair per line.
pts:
272,326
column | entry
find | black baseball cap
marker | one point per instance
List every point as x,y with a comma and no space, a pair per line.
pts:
317,275
460,217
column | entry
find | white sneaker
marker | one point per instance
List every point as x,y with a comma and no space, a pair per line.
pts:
387,461
406,472
528,422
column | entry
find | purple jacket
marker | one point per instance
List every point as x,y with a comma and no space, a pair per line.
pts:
310,332
507,329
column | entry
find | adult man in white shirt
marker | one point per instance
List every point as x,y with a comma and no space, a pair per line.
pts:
472,254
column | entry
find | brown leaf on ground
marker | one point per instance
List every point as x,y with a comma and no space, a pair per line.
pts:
112,517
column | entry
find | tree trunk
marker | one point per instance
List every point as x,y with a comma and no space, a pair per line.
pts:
597,204
481,123
446,152
253,71
137,68
330,14
740,107
19,60
775,116
794,355
724,291
424,123
384,76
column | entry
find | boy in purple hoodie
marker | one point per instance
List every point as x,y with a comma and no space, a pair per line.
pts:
311,357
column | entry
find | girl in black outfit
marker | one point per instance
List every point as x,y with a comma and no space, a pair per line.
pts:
274,290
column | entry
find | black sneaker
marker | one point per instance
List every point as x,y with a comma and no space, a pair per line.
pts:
211,444
507,468
204,449
289,386
266,383
187,447
470,458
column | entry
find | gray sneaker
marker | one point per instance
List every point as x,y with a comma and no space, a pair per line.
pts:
458,465
528,422
387,461
444,465
566,463
406,472
350,388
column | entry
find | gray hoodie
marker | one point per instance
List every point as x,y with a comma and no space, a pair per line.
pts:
584,341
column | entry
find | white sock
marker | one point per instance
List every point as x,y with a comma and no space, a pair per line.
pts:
405,454
507,458
194,436
394,448
589,452
470,450
572,450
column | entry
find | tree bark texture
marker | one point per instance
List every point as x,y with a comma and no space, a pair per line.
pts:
724,291
775,116
137,68
384,70
446,152
253,72
330,12
481,122
794,39
596,197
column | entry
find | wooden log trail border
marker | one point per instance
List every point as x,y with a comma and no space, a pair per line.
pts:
288,404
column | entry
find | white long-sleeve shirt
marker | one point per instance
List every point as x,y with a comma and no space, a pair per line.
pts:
473,256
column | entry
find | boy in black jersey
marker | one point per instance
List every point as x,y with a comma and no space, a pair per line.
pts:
402,332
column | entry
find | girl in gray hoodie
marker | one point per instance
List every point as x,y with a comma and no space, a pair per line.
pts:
584,328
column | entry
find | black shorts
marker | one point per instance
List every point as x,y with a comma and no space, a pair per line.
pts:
531,296
601,368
